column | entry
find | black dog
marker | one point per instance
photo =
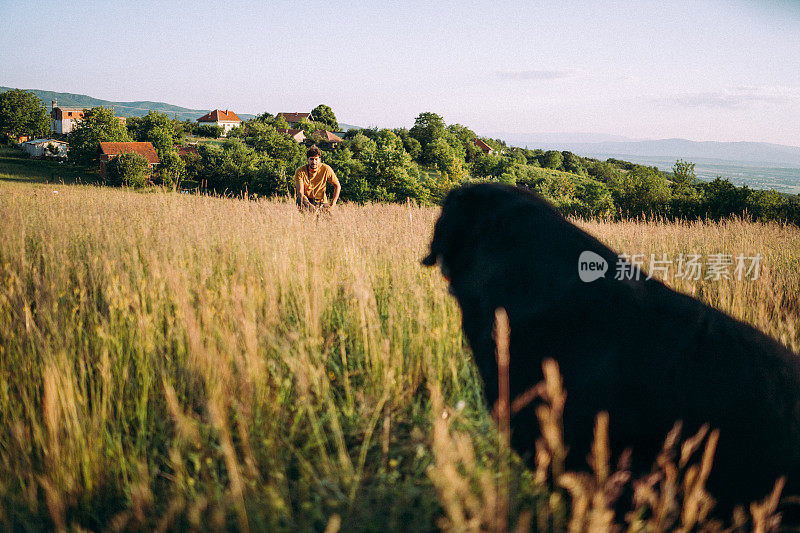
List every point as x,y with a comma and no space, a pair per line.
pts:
644,353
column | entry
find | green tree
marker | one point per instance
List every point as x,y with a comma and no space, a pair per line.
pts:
387,139
158,129
187,126
99,125
723,199
493,166
427,128
771,205
22,113
310,126
279,123
572,163
458,147
265,117
171,170
232,167
641,191
552,159
266,139
411,145
603,171
209,130
444,158
324,115
683,174
361,144
129,169
236,132
463,138
597,198
686,197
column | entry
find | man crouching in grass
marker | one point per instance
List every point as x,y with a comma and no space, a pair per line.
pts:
310,181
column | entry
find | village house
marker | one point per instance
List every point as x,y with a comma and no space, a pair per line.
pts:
294,118
42,148
325,137
110,150
188,150
227,120
297,136
64,119
485,148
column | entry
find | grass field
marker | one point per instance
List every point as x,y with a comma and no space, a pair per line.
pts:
176,362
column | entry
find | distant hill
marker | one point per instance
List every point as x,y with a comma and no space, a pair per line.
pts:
536,140
753,153
121,109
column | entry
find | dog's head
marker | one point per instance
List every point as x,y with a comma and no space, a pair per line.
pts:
490,233
477,212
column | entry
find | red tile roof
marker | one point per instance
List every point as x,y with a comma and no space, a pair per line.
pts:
188,149
297,135
294,117
218,115
143,148
483,146
327,136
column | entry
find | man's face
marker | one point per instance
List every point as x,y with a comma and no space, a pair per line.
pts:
314,162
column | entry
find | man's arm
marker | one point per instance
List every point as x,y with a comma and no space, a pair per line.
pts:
337,188
299,191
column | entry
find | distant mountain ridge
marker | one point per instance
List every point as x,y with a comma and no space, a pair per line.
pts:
755,153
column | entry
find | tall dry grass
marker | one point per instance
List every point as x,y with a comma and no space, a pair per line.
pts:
183,362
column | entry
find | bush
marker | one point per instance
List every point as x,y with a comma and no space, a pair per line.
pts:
128,169
723,198
641,191
171,170
209,130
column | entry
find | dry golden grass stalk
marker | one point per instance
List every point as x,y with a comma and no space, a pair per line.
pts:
764,513
502,334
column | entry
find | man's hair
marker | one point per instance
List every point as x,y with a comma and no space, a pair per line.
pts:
313,152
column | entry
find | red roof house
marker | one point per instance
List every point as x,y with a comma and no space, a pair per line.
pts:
327,136
294,118
110,150
64,119
485,148
297,136
227,120
186,150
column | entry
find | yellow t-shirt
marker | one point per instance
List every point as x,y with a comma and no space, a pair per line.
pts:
314,184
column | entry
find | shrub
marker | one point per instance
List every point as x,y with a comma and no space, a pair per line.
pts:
128,169
209,130
171,170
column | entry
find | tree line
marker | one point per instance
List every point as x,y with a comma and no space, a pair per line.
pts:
420,164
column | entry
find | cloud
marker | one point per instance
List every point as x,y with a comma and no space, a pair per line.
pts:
736,97
536,75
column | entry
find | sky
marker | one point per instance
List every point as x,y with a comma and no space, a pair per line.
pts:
705,70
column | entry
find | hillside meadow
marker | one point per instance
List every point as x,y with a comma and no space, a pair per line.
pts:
177,362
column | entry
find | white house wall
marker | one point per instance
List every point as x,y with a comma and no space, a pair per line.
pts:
64,126
40,149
